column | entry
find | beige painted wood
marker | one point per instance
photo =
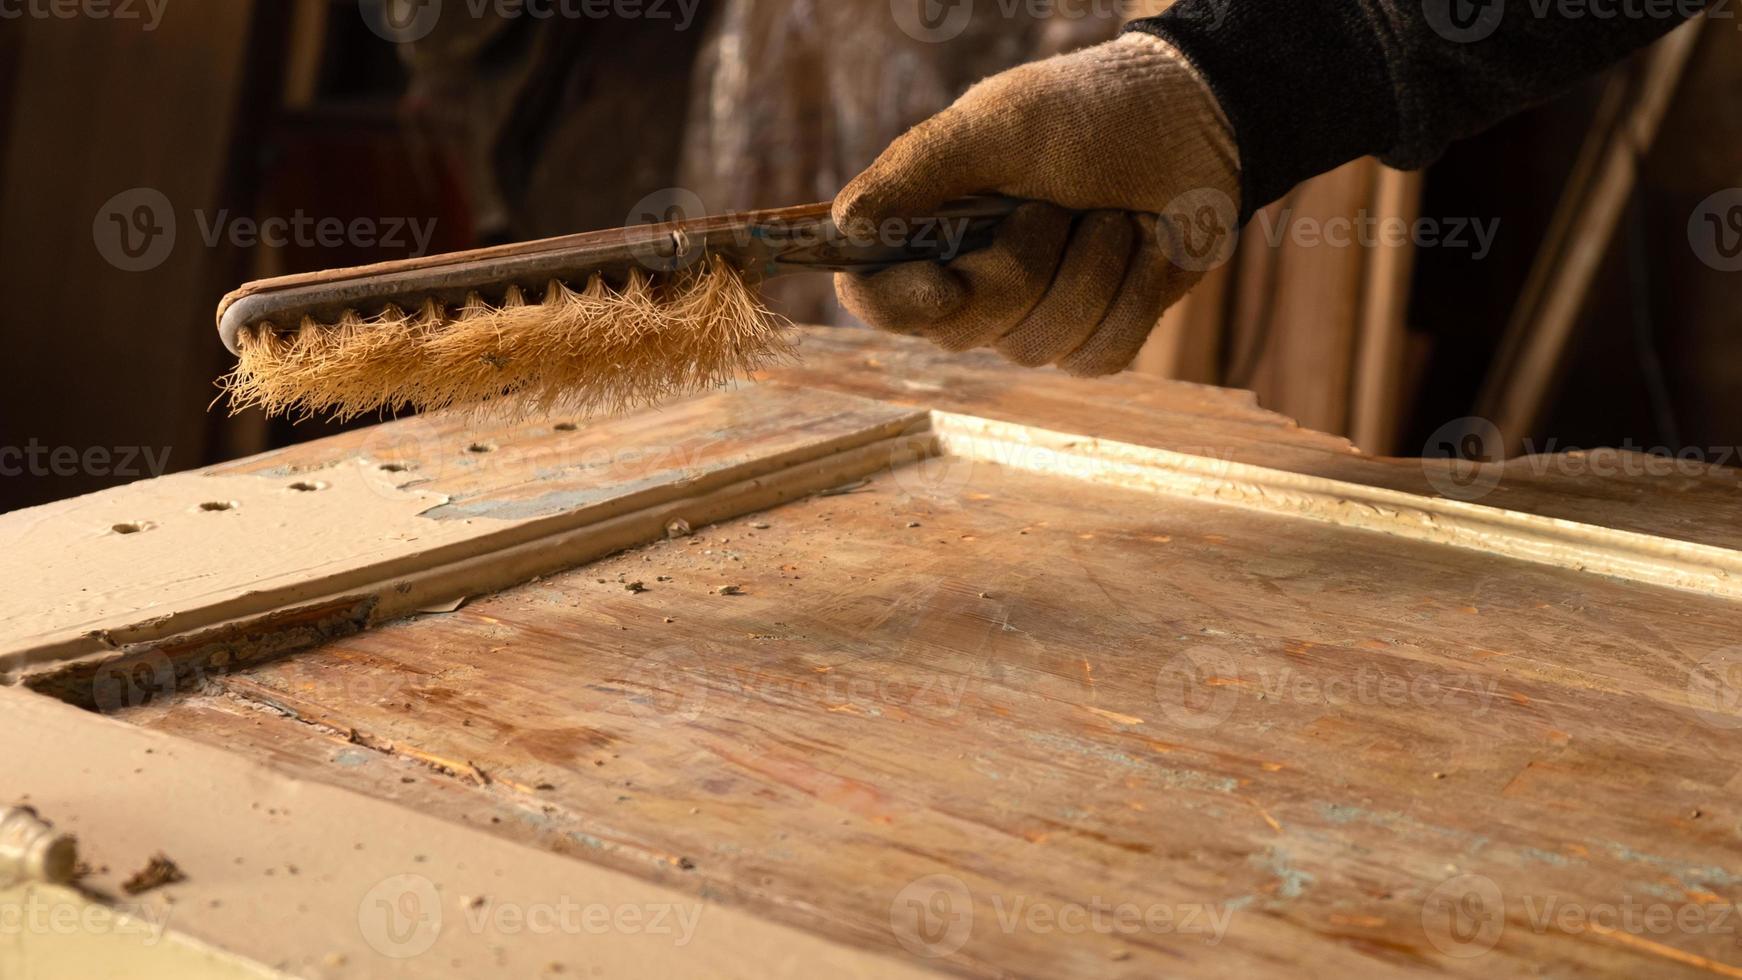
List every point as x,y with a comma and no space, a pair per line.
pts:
55,931
319,882
205,555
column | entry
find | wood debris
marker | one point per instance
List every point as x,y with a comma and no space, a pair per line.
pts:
159,871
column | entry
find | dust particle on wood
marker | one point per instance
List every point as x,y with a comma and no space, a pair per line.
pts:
159,871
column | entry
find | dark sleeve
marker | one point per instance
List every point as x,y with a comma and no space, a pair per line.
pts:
1311,84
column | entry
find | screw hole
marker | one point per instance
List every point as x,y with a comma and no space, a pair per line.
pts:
395,467
218,506
566,427
129,527
308,486
480,447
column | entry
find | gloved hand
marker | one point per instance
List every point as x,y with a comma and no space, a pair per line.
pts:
1125,132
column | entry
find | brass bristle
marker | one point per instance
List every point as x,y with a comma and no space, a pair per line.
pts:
603,349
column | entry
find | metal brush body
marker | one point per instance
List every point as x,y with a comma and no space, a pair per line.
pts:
759,244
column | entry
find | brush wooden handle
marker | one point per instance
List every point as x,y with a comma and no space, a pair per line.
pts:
762,244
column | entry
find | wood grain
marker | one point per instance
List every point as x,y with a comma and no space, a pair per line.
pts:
1059,696
1010,674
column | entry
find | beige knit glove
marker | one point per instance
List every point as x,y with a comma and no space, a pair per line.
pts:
1124,132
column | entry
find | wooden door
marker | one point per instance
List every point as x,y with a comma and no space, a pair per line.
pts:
902,662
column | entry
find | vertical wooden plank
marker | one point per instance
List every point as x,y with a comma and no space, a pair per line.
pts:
1188,340
1308,363
108,106
1525,371
1379,382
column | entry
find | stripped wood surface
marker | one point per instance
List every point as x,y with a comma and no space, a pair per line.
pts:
1006,673
1276,739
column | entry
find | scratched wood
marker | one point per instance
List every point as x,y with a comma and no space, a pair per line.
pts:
1059,696
1011,720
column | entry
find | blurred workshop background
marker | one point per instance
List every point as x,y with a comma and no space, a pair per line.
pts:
1570,276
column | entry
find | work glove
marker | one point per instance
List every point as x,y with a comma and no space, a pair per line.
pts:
1135,182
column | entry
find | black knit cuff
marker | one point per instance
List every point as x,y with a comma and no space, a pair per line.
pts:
1303,83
